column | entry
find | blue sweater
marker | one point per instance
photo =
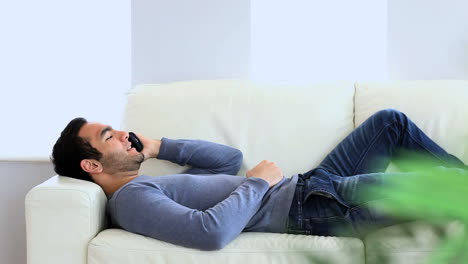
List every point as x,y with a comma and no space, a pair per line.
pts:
206,206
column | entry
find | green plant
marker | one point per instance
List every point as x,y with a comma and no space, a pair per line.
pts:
435,195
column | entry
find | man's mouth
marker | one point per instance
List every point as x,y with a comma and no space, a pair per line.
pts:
129,148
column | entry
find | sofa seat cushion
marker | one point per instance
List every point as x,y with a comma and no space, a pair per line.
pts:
120,246
411,243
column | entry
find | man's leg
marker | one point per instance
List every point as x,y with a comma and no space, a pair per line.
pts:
364,155
360,160
383,136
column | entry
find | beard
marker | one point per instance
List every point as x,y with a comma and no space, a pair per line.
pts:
120,162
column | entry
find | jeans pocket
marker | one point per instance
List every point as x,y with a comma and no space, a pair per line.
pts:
328,195
322,206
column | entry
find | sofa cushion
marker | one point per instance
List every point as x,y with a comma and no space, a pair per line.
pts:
292,125
119,246
411,243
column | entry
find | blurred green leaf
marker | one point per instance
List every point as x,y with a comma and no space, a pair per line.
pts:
431,194
451,248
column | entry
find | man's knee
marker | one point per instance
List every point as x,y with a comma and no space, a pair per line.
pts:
389,114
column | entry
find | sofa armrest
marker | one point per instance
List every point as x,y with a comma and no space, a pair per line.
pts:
62,216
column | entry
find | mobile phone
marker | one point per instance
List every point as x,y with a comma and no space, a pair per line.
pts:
136,143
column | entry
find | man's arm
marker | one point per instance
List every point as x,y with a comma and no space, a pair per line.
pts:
205,157
142,209
209,158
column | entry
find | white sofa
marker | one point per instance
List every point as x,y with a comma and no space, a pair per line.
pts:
294,125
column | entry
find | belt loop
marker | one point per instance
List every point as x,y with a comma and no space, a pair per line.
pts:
300,198
300,180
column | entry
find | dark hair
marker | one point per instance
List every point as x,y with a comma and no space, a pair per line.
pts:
70,150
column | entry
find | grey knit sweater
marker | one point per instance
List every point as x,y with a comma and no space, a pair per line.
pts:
206,206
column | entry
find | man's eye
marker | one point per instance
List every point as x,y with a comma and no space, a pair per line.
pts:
109,138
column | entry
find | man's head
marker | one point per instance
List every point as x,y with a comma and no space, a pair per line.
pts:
89,151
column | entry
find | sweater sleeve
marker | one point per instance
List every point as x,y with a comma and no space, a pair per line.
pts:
205,157
141,209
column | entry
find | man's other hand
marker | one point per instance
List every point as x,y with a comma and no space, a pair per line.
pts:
267,171
150,146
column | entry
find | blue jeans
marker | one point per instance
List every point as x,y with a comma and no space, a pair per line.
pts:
327,200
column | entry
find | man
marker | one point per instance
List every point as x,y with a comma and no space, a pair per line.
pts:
206,207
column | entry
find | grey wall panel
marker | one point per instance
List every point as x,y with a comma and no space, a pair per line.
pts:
17,178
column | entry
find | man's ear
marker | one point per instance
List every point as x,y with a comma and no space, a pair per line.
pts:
91,166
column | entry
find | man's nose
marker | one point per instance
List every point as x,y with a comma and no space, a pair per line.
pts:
124,135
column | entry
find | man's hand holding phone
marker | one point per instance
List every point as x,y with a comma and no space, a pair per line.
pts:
150,146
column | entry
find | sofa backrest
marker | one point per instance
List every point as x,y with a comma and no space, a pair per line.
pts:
438,107
292,125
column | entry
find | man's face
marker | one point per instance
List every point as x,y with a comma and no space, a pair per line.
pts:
113,144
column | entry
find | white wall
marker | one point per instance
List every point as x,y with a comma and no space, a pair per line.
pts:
308,40
428,39
318,41
59,60
186,39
